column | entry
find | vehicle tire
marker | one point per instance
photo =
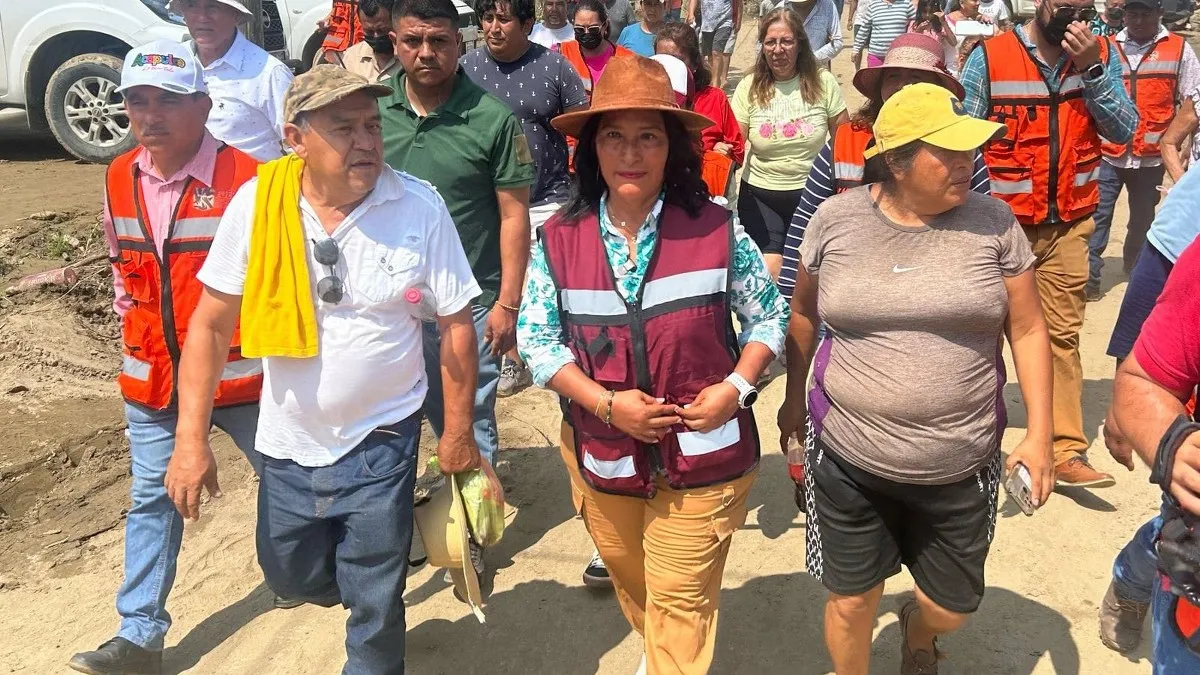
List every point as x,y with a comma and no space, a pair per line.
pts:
85,113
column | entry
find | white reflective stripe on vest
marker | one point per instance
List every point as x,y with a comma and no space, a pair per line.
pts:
1085,177
847,171
591,303
135,368
1157,66
1011,187
195,228
609,468
687,285
1071,84
1009,88
692,443
128,228
1153,136
241,368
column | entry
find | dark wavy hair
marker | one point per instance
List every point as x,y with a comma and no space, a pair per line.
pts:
684,37
683,185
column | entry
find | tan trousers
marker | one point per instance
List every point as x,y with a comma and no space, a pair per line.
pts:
1062,273
666,556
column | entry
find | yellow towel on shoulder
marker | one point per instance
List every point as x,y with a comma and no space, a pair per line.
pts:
278,314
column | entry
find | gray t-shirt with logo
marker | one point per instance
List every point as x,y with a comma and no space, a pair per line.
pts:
911,371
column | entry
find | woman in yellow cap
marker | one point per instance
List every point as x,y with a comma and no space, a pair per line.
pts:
627,315
919,279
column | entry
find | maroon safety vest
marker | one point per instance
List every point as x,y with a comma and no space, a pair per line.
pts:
673,342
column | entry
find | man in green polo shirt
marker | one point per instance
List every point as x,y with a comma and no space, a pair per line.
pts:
441,127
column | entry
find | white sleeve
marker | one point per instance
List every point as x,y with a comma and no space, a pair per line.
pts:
224,269
447,271
275,93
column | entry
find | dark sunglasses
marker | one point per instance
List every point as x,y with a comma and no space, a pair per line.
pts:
330,289
1076,13
584,30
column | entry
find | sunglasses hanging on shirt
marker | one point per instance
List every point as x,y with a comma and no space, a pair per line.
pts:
330,289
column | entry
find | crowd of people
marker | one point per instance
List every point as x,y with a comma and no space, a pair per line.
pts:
408,230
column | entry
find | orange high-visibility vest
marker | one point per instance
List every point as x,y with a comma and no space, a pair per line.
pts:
717,170
344,29
164,288
1047,165
573,53
849,143
1153,86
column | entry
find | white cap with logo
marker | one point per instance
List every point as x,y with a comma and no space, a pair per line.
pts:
164,64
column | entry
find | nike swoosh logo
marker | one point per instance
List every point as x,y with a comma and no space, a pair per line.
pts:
898,269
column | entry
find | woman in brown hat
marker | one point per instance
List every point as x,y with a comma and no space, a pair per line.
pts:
912,58
627,315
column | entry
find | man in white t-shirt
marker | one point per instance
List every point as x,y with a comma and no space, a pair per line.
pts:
339,429
247,84
554,27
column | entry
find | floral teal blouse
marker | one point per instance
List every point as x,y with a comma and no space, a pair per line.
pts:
761,311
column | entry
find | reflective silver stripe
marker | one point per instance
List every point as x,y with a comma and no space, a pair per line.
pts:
1086,177
195,228
847,171
1019,88
1011,187
1153,136
606,468
1070,84
692,443
1157,67
241,368
591,303
686,285
128,228
135,368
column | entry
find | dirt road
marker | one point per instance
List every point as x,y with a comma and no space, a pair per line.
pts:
63,488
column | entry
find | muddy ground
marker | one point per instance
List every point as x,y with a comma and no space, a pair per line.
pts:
64,477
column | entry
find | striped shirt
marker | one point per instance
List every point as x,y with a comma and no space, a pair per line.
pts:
883,22
820,186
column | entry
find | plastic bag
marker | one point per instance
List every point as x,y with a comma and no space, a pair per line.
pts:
483,500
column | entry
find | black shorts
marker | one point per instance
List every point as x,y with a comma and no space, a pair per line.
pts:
862,527
766,215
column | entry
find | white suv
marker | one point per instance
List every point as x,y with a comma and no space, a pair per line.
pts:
60,60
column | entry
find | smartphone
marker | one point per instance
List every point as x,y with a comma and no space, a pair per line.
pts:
1020,488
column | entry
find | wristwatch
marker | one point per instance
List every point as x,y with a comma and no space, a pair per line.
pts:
747,393
1094,71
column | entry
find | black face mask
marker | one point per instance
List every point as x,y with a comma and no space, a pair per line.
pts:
1055,28
380,44
589,38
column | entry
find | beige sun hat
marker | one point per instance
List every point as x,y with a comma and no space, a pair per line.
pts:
444,530
176,7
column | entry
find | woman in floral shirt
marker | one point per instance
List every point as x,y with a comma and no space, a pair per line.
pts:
786,108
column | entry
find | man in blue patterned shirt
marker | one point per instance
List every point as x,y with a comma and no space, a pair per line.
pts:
1054,204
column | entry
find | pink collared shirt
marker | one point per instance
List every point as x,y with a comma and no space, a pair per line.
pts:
160,197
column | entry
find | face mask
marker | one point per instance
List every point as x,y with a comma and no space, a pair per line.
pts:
1115,16
589,39
1055,27
380,44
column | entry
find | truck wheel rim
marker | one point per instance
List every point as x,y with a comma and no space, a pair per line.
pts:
96,112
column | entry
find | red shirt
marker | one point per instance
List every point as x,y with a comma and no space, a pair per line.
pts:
711,103
1168,348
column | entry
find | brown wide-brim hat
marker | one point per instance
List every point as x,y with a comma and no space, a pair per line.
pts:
631,82
910,51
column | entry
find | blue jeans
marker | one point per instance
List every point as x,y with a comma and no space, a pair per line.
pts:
153,528
1171,656
341,534
1142,184
484,417
1135,571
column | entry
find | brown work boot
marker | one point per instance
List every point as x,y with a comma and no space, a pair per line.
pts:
1077,472
921,661
1121,621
